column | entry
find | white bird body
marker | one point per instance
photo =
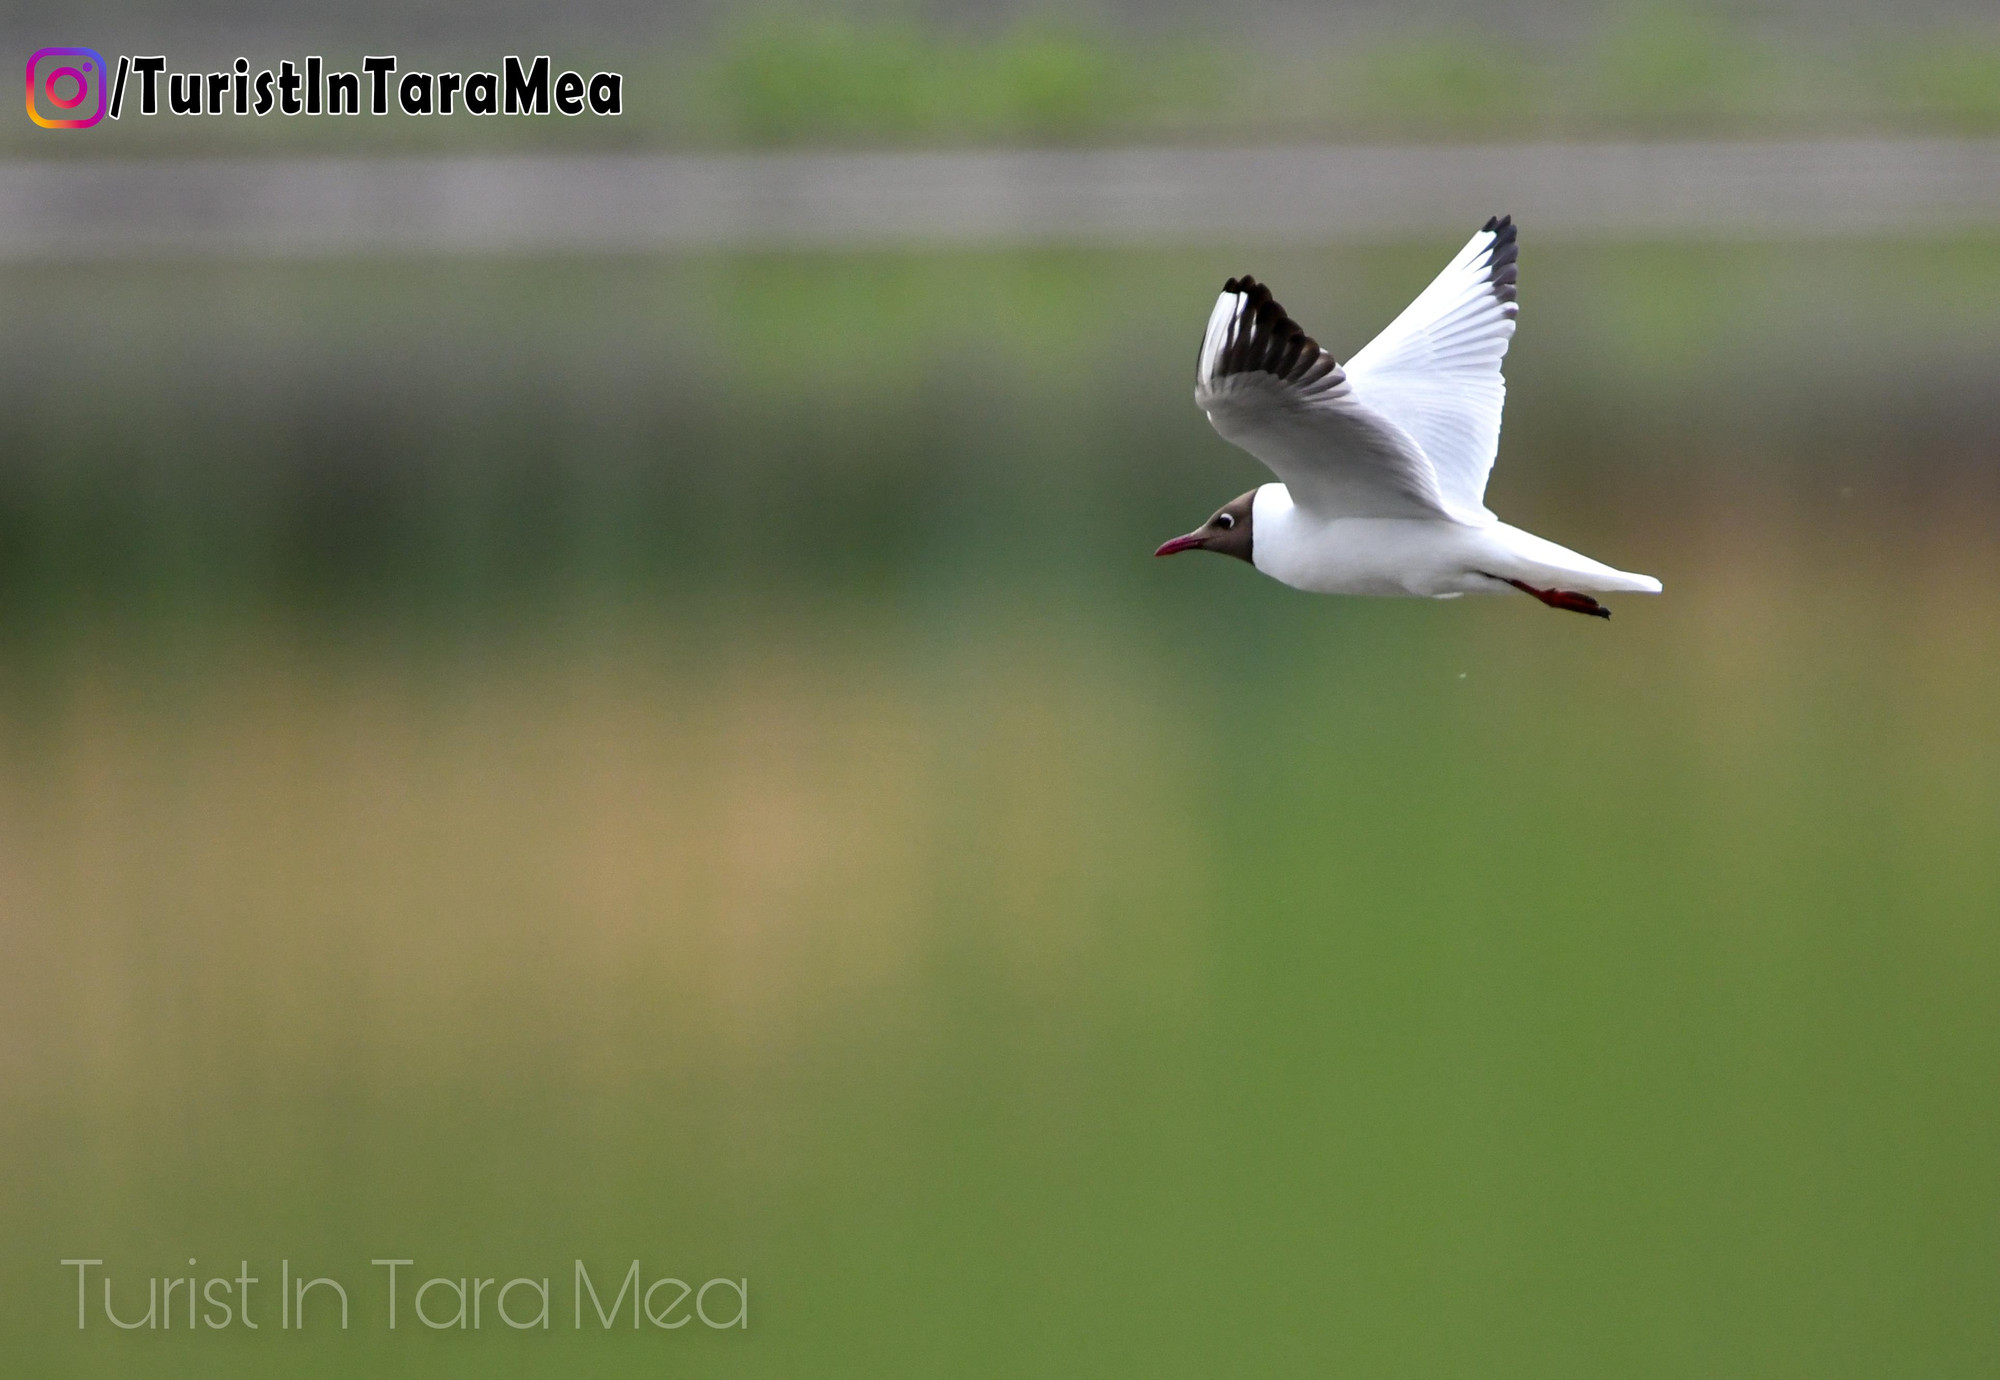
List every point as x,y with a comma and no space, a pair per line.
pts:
1425,558
1382,465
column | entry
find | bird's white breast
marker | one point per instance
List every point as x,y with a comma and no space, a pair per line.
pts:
1381,556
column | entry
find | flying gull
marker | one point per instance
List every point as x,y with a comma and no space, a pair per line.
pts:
1382,464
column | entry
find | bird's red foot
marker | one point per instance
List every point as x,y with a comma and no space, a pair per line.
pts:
1564,599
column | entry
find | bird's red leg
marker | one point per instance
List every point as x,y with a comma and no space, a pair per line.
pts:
1564,599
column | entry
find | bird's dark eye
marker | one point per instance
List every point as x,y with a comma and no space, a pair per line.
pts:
1225,520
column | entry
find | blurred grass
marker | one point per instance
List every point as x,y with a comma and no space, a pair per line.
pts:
1462,996
820,79
691,759
792,78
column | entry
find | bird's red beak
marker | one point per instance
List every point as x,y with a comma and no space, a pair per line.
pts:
1190,542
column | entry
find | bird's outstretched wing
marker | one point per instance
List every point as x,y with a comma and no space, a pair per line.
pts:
1435,372
1409,428
1268,387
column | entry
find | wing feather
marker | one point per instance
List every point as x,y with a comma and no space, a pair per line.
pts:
1268,387
1435,370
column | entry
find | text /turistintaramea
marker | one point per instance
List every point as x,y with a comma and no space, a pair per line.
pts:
518,88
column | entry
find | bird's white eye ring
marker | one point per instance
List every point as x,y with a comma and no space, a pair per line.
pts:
1225,520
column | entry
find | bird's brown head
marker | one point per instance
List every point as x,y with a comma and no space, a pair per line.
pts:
1226,534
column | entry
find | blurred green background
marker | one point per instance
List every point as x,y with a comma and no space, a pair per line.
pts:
688,757
692,759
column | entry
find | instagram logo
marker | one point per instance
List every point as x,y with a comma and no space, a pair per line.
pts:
68,84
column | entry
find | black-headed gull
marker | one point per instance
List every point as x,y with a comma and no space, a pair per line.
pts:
1383,464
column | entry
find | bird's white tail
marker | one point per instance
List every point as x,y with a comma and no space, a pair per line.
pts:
1541,562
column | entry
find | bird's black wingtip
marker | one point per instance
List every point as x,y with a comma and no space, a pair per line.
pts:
1263,339
1503,257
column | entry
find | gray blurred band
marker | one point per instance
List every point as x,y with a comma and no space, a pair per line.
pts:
89,209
